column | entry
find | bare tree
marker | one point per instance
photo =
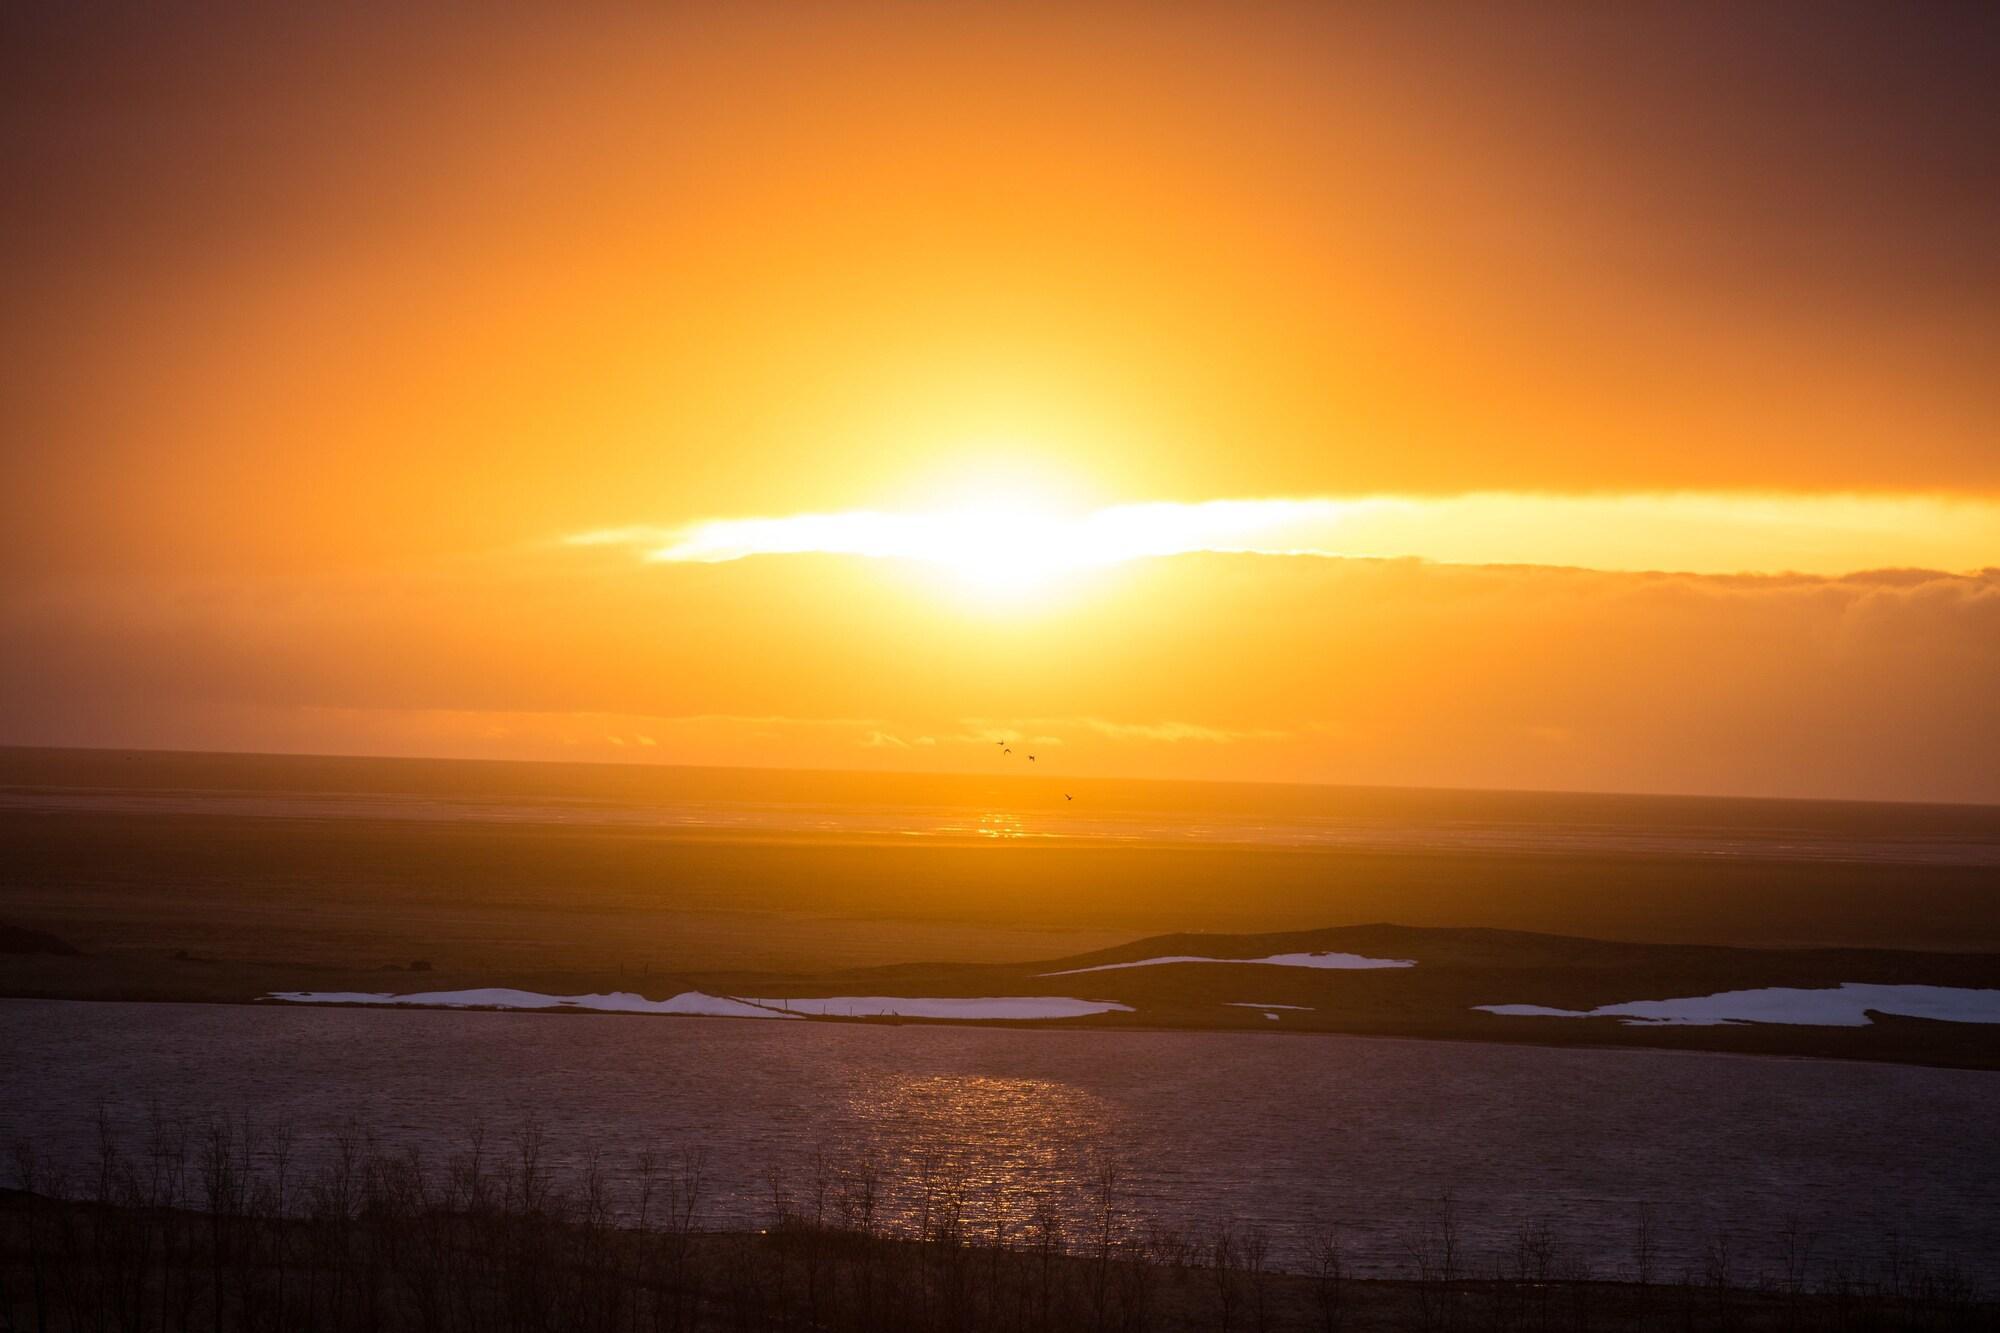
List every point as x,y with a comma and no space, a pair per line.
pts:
1329,1271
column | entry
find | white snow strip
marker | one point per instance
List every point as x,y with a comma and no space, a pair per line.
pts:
1245,1004
1845,1006
904,1006
500,997
1342,961
722,1006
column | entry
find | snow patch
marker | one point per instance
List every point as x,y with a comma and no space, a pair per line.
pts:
1245,1004
500,997
1341,961
725,1006
904,1006
1846,1006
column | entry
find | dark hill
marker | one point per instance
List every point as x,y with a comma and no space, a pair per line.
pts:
19,939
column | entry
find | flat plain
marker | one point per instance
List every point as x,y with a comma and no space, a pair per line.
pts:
428,877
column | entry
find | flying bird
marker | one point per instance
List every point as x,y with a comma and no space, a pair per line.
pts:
1007,749
1031,759
1068,797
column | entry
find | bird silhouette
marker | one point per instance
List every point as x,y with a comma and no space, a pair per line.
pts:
1068,797
1031,759
1007,749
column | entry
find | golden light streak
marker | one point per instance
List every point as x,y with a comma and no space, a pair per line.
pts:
1015,545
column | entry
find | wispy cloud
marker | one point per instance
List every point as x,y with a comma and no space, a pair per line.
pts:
1054,730
1180,731
1691,532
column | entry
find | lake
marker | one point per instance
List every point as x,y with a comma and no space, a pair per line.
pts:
1272,1131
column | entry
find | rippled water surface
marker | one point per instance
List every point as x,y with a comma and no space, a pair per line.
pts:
1278,1131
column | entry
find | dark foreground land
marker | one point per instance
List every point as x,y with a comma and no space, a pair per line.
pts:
215,1236
75,1267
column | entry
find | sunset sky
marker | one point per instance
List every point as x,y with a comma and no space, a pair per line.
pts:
1569,396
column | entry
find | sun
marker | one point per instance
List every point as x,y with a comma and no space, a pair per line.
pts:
1001,532
1003,547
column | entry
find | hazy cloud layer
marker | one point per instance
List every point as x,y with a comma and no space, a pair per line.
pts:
1877,684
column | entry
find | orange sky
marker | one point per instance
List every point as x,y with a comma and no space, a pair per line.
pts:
328,336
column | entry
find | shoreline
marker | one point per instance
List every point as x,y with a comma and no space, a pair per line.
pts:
1063,1025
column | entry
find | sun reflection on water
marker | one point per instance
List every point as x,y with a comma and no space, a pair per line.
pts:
1000,824
993,1157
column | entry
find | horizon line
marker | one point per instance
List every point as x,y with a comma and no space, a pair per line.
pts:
7,746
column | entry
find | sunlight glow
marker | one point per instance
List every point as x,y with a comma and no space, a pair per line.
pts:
1011,544
1005,544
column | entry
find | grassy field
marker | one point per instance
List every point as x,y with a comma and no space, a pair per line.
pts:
68,1268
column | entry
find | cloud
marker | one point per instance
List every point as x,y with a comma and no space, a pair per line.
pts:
1692,532
1183,731
1164,732
1200,666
